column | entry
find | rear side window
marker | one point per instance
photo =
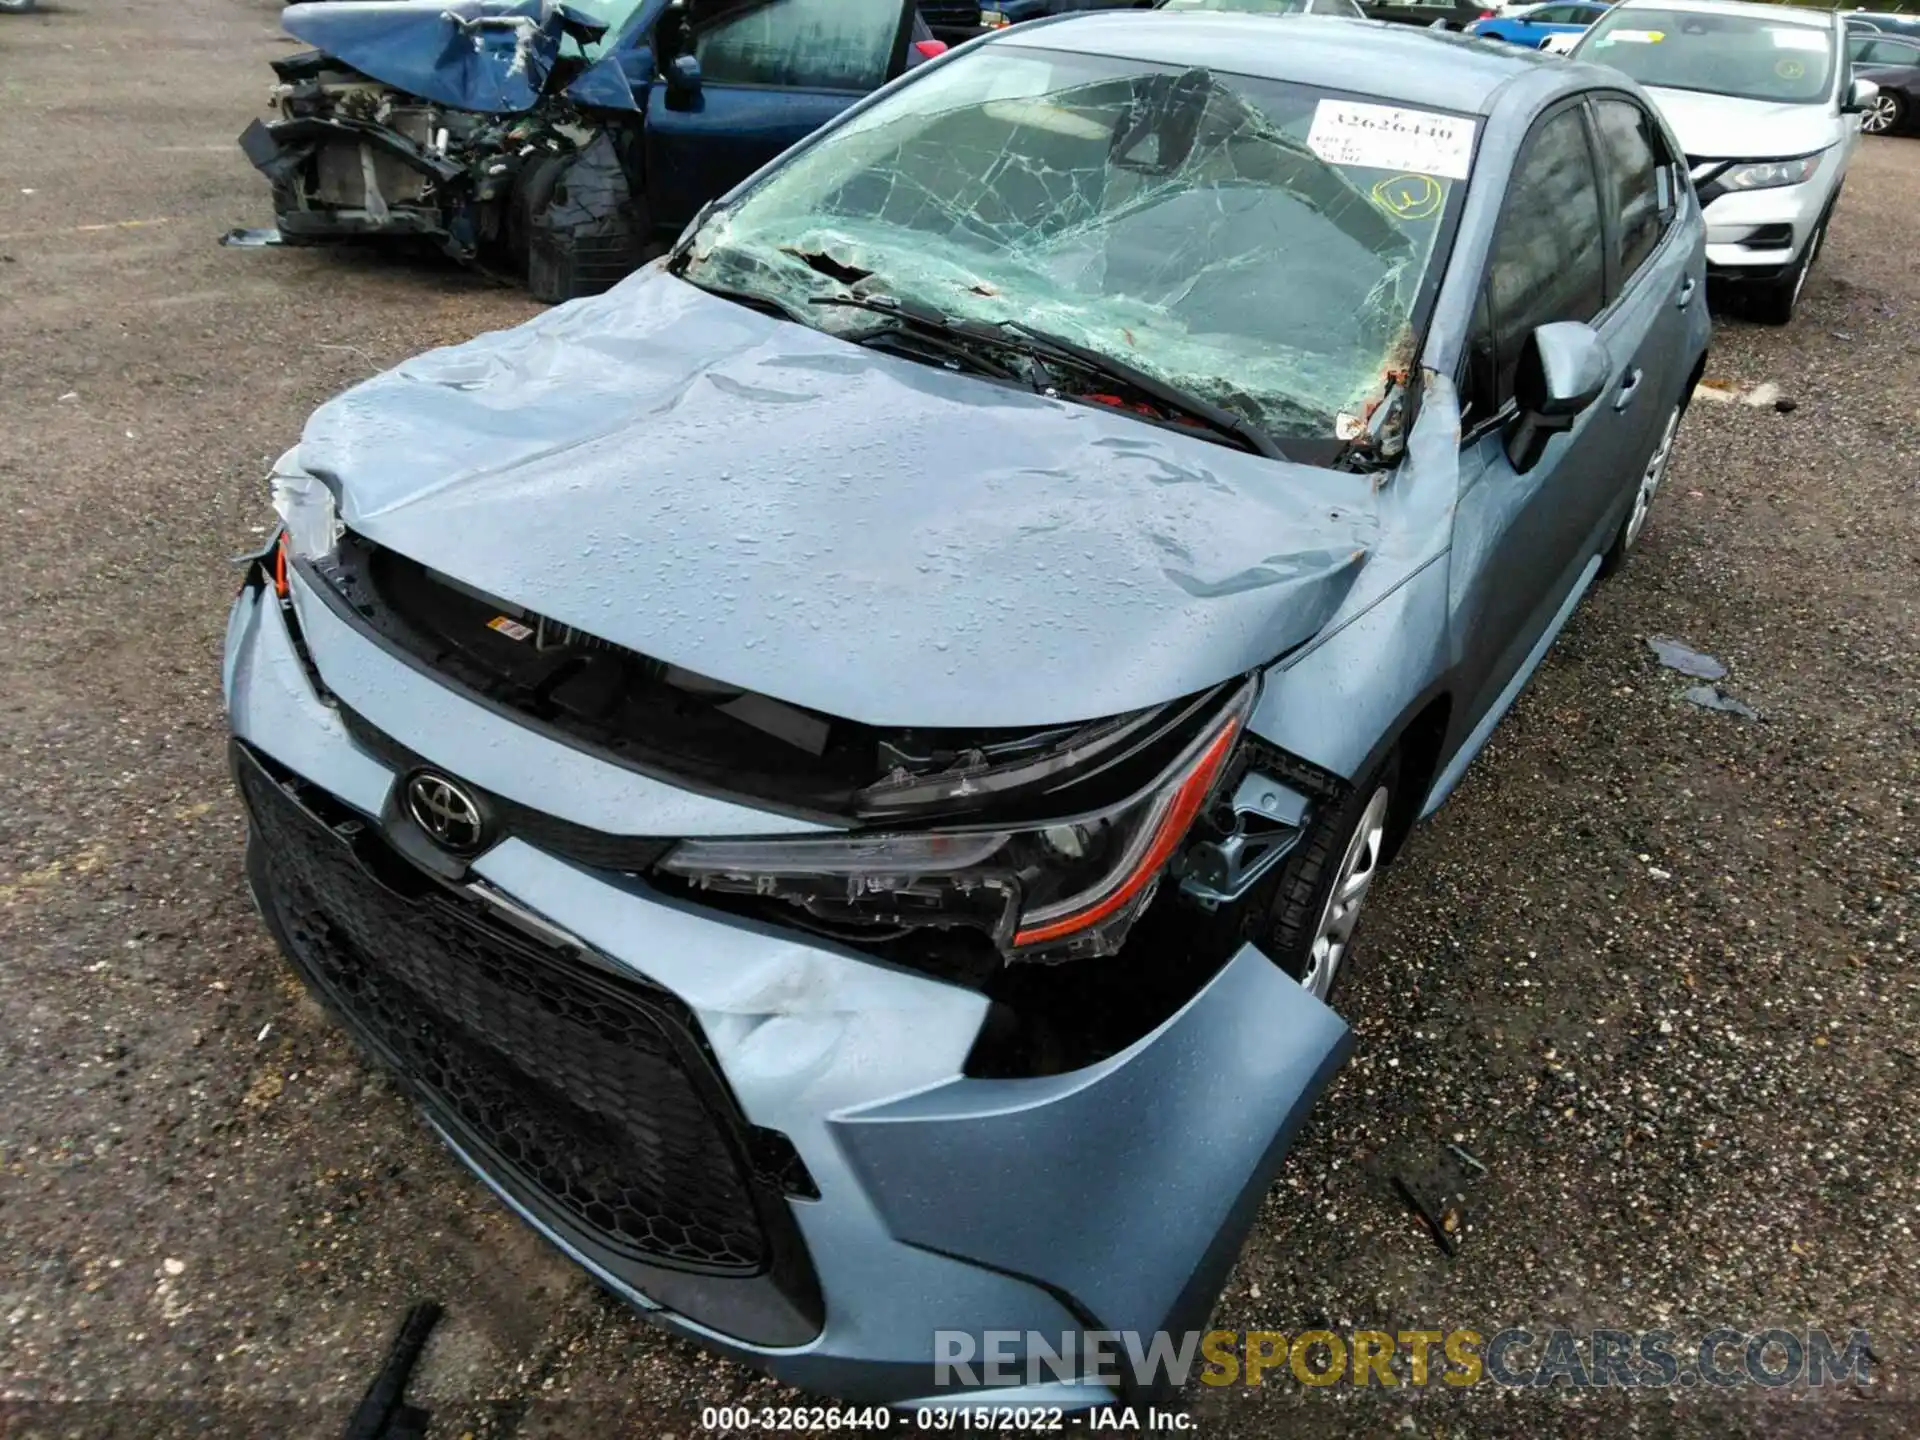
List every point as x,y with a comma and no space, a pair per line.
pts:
1888,52
1631,150
1547,254
803,44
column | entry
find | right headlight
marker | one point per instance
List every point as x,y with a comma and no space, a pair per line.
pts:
1772,174
1057,891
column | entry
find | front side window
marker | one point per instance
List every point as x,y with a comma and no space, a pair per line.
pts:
804,44
1547,254
1266,246
1632,153
1744,56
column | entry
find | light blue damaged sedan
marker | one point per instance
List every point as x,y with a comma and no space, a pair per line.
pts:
843,772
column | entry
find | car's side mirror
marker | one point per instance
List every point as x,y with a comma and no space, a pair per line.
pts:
1860,96
683,81
1563,369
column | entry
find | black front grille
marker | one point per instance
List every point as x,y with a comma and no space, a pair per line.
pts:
946,17
587,1096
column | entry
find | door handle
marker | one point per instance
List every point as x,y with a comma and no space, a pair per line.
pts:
1687,287
1629,387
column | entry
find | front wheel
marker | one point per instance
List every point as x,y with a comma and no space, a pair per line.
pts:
1324,883
1775,303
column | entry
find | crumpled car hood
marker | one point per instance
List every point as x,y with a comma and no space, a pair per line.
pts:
881,540
1722,127
489,56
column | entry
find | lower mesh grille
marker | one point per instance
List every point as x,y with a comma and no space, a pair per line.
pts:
580,1088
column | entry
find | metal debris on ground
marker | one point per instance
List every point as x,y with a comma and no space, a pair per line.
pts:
1712,697
1471,1161
1678,656
383,1412
252,239
1442,1216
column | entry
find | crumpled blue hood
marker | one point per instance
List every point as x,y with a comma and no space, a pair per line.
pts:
488,56
881,540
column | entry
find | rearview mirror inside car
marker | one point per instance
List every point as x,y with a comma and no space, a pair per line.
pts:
1563,368
683,80
1860,95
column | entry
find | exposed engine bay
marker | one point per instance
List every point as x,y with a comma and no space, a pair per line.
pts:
351,148
541,193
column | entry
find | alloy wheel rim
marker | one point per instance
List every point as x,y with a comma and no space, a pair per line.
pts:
1879,117
1351,882
1650,481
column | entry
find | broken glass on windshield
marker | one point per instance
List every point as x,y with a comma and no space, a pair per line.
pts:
1262,245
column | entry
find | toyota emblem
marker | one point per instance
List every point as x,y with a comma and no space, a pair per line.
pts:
449,815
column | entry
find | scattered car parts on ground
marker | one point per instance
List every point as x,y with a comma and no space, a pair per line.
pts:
876,734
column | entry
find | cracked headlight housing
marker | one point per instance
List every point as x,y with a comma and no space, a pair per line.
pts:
1772,174
1058,891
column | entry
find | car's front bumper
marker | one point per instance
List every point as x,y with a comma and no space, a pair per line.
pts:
1759,234
348,180
1114,1197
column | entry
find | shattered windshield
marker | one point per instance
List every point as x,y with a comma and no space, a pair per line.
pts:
1744,56
1264,246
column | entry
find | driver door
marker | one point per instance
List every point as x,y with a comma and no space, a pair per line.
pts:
771,73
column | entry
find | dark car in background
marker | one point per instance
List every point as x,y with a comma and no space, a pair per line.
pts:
1446,14
1335,9
1884,23
1893,64
998,14
560,143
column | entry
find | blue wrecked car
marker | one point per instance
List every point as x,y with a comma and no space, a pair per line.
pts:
844,772
559,142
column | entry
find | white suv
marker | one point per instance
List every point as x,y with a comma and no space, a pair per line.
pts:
1763,101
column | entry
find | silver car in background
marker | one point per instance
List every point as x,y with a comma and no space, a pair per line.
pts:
1764,101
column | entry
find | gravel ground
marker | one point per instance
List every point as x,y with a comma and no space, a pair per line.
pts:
1653,965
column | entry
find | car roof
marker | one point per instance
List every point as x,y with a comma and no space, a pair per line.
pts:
1784,14
1432,68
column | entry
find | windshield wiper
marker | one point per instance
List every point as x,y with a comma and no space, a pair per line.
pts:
944,334
1153,388
1039,345
752,299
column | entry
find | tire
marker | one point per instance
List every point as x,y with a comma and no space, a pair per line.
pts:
1774,304
1650,481
532,192
1887,114
1300,904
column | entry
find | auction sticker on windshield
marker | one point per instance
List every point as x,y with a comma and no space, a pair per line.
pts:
1384,137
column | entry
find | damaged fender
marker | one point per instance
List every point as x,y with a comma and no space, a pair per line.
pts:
1159,1155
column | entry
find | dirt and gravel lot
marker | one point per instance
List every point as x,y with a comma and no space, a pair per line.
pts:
1655,966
